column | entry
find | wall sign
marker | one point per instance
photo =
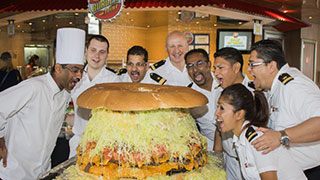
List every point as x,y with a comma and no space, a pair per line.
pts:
105,10
237,38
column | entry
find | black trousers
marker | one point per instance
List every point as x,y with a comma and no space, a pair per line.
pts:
313,173
60,152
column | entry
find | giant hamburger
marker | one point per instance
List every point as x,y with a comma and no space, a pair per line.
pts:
139,131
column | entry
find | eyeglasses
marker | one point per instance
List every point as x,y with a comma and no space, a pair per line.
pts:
252,65
197,64
73,70
139,65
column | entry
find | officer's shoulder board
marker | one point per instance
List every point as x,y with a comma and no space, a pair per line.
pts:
156,77
251,84
251,133
112,70
190,85
121,71
157,64
285,78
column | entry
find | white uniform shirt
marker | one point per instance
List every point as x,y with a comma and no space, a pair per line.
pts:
147,80
253,162
291,104
173,75
32,112
230,157
207,122
81,114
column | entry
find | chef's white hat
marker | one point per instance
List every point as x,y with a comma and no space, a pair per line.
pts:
70,46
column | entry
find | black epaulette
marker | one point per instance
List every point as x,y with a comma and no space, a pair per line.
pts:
121,71
112,70
285,78
190,85
158,78
251,84
251,133
157,64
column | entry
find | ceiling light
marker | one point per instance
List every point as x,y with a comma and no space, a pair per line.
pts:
310,17
30,23
148,26
197,22
56,25
131,19
177,20
179,12
127,13
43,20
18,25
22,31
285,11
70,22
76,14
240,23
215,25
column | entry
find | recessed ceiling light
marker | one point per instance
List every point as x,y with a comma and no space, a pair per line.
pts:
22,31
131,19
43,20
127,13
240,23
179,12
56,25
70,22
215,25
310,17
197,22
76,14
177,20
148,26
18,25
30,23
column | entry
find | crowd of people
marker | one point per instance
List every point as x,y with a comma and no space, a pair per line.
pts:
267,128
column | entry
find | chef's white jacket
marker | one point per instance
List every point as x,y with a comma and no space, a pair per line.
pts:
253,162
291,104
31,116
206,122
173,75
81,115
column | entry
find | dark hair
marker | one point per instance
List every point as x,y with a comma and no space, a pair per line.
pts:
6,56
32,60
99,38
270,50
138,50
256,107
230,54
201,51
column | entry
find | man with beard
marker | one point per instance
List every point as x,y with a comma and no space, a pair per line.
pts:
228,66
294,101
198,66
32,112
95,72
172,70
137,66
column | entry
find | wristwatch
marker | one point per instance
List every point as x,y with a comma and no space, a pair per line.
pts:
284,140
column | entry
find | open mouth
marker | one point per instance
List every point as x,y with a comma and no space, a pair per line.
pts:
198,77
219,123
135,74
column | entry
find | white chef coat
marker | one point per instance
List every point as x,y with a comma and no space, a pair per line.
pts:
206,123
80,121
173,75
230,157
147,79
253,162
32,112
291,104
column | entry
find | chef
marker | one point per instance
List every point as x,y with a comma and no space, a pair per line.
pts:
32,112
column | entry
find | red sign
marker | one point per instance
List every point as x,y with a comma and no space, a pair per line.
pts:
105,9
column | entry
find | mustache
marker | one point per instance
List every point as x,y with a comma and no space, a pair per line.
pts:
135,72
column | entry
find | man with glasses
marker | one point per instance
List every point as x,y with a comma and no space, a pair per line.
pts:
199,70
137,66
96,53
32,112
172,70
228,66
294,102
